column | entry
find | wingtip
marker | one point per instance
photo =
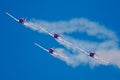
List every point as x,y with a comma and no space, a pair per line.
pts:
35,43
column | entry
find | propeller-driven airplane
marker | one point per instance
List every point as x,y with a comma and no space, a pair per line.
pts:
51,50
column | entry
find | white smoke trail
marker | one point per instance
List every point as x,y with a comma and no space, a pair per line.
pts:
74,59
107,49
60,39
80,25
57,53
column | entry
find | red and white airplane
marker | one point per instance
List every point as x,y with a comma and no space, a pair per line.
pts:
51,50
20,20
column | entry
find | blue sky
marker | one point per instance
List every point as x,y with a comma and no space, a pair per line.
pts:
20,59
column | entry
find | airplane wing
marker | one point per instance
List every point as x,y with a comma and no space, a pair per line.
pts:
12,16
41,47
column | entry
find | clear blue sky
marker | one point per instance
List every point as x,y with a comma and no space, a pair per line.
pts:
21,60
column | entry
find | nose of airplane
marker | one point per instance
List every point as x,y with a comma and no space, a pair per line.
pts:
92,54
21,20
51,50
56,35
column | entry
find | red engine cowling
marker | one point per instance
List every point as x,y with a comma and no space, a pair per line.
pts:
21,20
92,54
56,35
51,50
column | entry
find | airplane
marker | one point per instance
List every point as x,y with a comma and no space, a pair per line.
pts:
51,50
20,20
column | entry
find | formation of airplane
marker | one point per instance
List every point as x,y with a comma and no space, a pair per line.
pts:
57,37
